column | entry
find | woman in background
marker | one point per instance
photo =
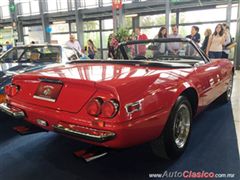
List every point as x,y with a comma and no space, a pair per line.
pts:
216,42
207,34
161,47
91,49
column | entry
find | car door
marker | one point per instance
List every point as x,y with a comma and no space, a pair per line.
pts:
208,75
71,54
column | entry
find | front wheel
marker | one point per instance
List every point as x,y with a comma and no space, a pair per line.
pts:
177,130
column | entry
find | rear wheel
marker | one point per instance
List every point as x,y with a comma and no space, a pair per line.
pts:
176,132
226,97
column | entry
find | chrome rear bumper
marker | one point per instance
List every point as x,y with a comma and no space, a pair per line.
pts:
12,111
86,133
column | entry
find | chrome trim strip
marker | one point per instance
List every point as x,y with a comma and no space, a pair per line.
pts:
43,98
55,81
12,111
108,135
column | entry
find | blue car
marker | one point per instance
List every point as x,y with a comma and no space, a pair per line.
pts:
27,58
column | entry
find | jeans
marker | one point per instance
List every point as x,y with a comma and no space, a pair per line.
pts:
224,55
214,54
91,56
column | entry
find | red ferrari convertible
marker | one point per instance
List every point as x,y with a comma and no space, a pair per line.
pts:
148,96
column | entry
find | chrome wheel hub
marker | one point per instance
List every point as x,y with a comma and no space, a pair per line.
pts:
181,126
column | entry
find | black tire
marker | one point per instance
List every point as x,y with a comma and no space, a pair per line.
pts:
226,96
167,145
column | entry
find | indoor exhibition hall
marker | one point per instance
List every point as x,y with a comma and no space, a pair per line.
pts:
119,89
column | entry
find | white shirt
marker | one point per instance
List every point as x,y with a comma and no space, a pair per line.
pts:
162,46
174,45
74,44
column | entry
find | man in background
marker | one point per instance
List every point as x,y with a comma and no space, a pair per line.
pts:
141,48
176,46
73,43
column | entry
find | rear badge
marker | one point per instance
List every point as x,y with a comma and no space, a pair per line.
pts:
48,91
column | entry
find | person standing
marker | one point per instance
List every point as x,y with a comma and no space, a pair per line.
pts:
176,46
225,52
195,36
113,47
8,45
141,48
110,47
215,43
161,47
207,34
73,43
91,49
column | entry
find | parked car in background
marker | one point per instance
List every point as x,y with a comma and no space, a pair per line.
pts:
150,96
32,57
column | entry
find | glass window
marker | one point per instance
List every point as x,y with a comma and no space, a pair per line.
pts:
105,54
4,2
203,15
52,5
6,34
173,18
91,4
35,34
107,2
150,32
56,28
62,5
105,35
34,7
107,24
128,22
26,40
5,12
72,4
128,1
73,27
60,38
153,20
233,29
90,25
25,8
25,30
12,55
234,12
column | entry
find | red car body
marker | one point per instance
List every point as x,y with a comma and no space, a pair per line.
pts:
145,96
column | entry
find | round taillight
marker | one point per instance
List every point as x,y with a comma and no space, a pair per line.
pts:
94,107
109,109
7,89
11,90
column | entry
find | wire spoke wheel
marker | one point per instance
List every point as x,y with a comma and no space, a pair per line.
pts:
181,126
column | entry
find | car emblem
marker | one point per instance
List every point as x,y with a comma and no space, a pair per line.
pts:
47,91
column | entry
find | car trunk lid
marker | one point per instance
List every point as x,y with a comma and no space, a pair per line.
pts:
61,95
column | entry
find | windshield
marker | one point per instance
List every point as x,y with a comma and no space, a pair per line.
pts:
157,50
40,54
12,55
